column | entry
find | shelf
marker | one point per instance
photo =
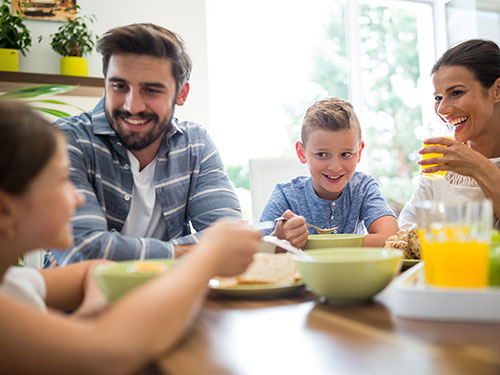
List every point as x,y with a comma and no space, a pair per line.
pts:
87,86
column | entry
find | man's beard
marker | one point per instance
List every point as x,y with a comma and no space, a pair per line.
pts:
134,140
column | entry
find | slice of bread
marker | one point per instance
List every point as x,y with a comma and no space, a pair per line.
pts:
270,269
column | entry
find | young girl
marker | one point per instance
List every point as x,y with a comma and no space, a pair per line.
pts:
467,96
37,200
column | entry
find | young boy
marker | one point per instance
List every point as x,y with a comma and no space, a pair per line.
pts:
335,195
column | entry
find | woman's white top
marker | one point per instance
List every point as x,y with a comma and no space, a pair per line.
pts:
453,186
26,285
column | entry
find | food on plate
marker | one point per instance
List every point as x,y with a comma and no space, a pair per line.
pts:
407,241
265,269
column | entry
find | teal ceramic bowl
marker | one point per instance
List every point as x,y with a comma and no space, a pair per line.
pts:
117,279
328,241
348,276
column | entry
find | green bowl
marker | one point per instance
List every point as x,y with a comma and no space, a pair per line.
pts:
328,241
348,276
117,279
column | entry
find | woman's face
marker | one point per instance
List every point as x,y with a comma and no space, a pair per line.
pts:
43,212
462,102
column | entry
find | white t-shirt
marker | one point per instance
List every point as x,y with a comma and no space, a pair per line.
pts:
145,217
453,186
26,285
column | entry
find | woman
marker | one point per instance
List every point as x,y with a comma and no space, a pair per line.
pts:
37,200
467,96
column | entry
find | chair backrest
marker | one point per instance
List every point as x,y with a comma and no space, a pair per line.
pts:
265,173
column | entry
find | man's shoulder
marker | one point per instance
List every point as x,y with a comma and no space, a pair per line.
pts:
190,129
86,123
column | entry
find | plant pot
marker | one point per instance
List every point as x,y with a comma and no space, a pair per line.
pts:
74,66
9,59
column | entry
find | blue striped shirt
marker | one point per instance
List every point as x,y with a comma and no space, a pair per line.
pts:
190,183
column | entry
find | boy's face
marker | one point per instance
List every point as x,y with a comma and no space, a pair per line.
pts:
332,157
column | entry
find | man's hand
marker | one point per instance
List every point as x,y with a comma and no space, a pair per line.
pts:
293,229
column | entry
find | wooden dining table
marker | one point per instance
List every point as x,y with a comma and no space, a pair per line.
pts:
301,334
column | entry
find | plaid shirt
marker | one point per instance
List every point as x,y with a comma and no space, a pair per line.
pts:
190,183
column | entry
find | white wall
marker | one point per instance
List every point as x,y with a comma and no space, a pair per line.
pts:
187,18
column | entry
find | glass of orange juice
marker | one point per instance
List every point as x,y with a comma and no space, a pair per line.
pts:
438,130
455,238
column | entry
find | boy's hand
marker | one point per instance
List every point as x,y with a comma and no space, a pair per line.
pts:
293,230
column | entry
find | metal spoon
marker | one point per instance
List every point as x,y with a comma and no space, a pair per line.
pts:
319,230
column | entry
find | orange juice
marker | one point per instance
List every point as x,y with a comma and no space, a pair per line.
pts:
456,264
434,175
425,256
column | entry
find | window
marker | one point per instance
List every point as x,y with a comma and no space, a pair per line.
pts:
268,60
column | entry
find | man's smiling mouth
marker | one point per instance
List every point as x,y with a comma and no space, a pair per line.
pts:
135,121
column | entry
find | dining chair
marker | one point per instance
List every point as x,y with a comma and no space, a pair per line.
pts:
265,173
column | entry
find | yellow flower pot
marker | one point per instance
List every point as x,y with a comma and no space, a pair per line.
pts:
9,59
74,66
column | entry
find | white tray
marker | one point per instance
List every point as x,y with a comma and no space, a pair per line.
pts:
413,298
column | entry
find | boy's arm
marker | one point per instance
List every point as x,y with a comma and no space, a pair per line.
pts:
378,217
380,230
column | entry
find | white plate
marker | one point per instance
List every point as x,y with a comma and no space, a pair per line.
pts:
256,290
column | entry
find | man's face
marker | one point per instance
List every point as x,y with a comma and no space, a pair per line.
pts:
139,99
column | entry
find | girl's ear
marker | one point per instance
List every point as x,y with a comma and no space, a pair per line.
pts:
361,147
301,153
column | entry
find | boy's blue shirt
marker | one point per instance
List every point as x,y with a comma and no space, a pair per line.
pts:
359,205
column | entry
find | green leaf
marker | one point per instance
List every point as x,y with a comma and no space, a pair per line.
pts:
37,91
53,101
53,112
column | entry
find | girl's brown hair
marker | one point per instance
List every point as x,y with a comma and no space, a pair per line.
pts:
28,143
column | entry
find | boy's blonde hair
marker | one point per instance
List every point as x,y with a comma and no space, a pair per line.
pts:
329,114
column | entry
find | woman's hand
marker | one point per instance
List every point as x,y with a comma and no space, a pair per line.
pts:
293,229
457,157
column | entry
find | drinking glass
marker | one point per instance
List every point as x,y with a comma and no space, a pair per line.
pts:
455,238
438,130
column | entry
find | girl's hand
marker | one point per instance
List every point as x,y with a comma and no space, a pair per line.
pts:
233,245
94,300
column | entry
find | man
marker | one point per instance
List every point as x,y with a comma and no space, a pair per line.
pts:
145,176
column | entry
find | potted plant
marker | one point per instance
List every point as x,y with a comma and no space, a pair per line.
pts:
14,37
73,40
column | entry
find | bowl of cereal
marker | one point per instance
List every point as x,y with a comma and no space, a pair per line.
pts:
117,279
350,275
328,241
